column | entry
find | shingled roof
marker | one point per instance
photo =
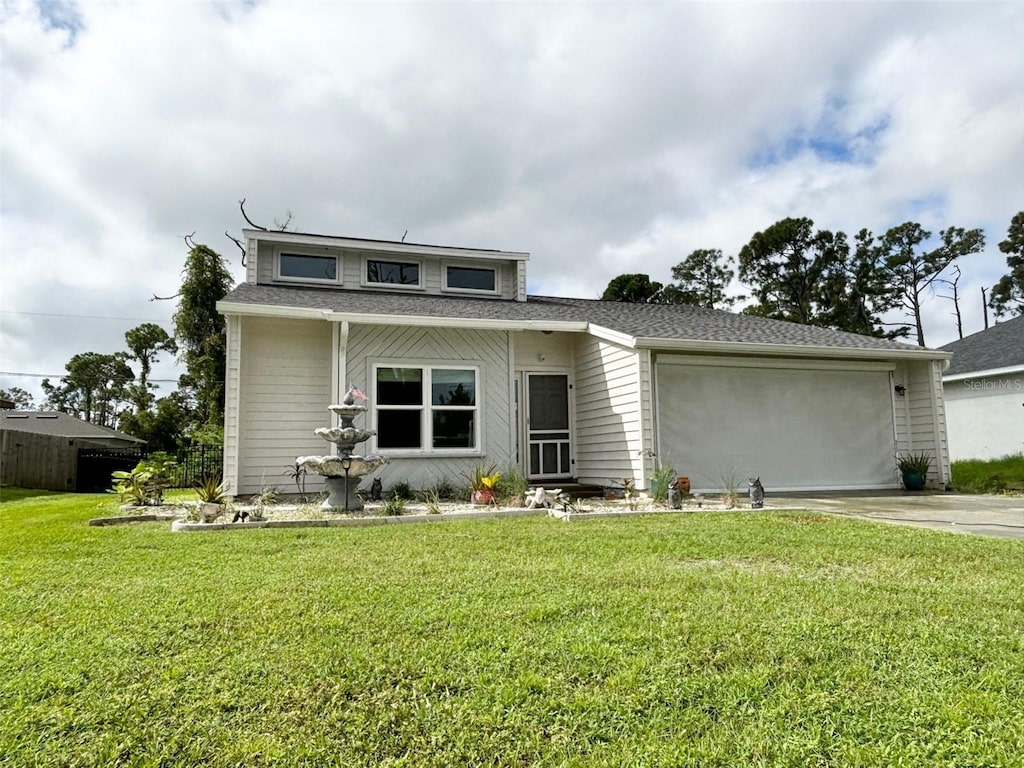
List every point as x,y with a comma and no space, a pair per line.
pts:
61,425
1001,346
648,323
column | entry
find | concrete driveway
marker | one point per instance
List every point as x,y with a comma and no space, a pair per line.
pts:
1001,516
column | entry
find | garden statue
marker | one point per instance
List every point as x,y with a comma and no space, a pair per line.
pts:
756,492
376,489
675,495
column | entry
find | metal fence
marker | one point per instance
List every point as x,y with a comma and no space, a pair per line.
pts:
193,465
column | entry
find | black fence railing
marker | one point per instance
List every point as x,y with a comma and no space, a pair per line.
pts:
193,465
196,464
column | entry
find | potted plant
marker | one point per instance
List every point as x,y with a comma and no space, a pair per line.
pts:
212,496
913,467
483,482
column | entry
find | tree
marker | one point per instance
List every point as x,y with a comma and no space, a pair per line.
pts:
22,400
1008,294
200,332
911,269
786,266
634,288
163,428
93,389
701,280
146,342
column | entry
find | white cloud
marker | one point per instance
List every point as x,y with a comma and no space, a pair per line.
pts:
615,136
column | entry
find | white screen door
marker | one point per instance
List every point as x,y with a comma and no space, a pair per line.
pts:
547,426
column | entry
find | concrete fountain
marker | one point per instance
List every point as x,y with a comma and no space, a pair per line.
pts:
345,470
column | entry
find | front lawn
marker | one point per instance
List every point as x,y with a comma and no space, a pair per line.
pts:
714,639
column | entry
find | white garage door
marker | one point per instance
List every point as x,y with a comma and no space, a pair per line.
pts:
797,426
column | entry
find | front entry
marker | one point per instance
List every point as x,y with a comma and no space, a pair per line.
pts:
548,454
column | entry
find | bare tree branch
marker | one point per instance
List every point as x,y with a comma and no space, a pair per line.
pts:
237,242
250,222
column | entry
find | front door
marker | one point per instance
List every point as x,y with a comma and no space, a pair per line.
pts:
548,454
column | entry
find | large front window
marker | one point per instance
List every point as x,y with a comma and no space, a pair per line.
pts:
426,408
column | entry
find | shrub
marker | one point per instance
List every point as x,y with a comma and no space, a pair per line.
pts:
394,506
145,484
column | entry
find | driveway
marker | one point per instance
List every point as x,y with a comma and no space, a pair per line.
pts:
1001,516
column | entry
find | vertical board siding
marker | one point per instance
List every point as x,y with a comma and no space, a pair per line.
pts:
285,390
441,346
32,460
609,416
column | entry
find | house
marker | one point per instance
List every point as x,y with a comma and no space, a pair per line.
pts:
984,392
463,368
40,449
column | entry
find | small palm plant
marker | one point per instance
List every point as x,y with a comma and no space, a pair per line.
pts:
483,482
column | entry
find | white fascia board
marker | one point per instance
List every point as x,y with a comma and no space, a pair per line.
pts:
361,318
296,238
788,350
616,337
985,373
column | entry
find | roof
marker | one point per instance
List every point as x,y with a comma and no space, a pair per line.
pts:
395,246
998,347
61,425
645,325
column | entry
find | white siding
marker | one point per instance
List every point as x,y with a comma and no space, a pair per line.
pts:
609,417
284,393
985,416
922,426
260,268
535,350
232,384
488,349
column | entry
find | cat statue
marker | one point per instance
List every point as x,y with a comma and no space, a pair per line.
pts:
376,489
756,491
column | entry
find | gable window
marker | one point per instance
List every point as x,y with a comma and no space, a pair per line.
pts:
426,408
381,272
303,266
484,279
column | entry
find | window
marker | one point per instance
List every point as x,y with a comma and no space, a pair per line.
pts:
393,272
426,408
471,279
302,266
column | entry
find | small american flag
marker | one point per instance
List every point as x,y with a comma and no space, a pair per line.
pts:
354,391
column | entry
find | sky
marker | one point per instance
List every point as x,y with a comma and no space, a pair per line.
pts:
602,138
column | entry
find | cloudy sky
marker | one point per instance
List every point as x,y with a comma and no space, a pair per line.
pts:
601,137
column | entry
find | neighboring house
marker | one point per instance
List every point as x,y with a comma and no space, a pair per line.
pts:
984,392
39,449
462,368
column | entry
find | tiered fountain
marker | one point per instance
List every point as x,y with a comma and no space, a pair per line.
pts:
344,471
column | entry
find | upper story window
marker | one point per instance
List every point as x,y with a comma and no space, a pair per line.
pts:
388,272
479,279
307,267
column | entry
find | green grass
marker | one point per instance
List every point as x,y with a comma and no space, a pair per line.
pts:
719,639
995,476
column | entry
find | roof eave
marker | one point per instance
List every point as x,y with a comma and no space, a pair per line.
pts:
788,350
307,313
384,246
984,373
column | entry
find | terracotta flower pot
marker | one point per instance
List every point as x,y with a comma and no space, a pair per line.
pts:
484,496
684,483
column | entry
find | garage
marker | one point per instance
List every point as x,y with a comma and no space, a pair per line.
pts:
798,425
